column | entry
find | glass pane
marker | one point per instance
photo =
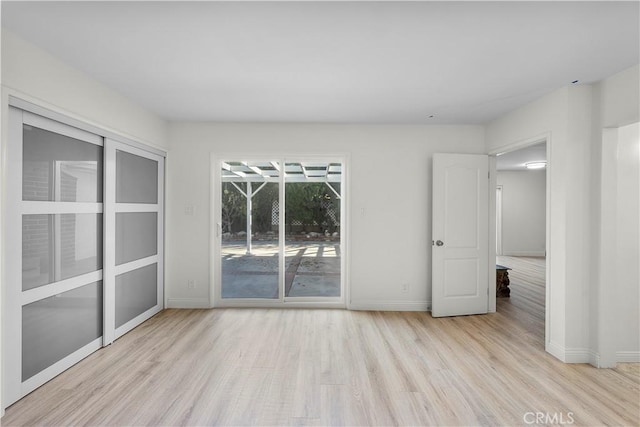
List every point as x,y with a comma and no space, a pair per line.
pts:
136,236
136,292
312,221
57,247
136,179
55,327
250,252
60,168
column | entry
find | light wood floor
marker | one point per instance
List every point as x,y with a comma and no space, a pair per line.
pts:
336,367
527,300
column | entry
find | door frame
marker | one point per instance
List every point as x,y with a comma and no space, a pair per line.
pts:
544,137
215,276
498,219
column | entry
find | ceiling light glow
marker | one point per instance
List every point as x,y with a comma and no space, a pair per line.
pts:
536,165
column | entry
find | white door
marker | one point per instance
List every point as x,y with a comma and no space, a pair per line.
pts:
460,233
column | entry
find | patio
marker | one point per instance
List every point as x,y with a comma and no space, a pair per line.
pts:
312,269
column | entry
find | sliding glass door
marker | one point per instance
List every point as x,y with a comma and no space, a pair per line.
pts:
84,246
279,227
312,229
250,221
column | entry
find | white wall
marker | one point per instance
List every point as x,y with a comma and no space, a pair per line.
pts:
523,212
628,242
390,179
580,318
548,119
34,75
612,337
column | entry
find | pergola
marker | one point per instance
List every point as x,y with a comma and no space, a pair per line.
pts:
259,173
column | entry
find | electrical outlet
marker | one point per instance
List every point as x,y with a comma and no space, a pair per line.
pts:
191,284
405,287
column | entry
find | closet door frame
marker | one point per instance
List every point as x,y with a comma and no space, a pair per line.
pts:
111,270
14,298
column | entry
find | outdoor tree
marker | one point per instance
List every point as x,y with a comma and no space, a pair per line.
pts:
308,204
234,206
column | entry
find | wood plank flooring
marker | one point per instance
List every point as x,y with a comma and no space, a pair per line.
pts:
527,300
336,367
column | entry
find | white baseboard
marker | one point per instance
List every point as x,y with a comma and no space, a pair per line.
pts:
570,355
621,357
628,356
577,355
523,253
594,359
188,303
371,305
584,355
555,350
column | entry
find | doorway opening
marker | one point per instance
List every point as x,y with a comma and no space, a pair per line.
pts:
521,233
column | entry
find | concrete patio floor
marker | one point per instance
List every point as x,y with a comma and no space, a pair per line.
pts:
312,269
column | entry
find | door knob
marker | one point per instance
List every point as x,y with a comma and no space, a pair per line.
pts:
439,243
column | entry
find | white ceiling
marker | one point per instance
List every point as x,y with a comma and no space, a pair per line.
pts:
515,160
338,62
